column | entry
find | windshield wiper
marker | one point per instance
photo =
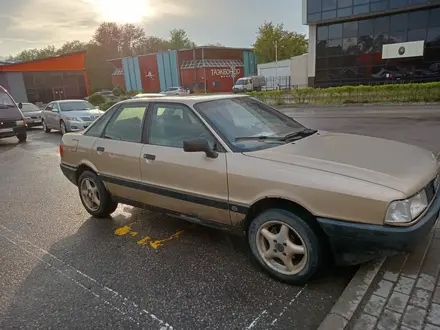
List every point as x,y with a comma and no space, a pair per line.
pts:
291,136
300,134
6,106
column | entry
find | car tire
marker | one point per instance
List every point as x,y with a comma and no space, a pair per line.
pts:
45,128
298,243
22,137
63,128
90,182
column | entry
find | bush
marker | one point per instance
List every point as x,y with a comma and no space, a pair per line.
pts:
119,91
96,99
107,105
422,92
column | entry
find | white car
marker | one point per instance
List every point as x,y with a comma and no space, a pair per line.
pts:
143,95
175,91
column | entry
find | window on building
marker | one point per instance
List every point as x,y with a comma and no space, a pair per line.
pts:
350,29
418,19
335,31
328,5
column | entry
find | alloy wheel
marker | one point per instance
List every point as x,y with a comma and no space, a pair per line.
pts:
63,128
90,194
281,247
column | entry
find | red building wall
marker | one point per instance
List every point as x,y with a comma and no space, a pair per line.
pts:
217,79
118,81
149,73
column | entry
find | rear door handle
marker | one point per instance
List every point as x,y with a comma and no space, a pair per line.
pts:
100,149
149,156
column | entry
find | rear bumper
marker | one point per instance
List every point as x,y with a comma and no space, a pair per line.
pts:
69,172
15,130
354,243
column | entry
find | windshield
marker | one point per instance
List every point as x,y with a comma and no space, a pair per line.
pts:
241,82
28,107
76,106
247,117
6,101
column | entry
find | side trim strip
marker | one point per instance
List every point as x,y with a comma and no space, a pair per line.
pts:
212,202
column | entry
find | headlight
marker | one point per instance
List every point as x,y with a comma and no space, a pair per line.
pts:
20,122
74,118
407,210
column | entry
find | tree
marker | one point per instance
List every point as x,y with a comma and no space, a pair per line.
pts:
131,37
149,45
36,54
108,35
289,43
71,47
179,40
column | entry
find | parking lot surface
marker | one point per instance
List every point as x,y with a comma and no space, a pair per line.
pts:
63,269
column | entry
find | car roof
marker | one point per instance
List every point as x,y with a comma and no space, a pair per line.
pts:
189,100
143,95
64,101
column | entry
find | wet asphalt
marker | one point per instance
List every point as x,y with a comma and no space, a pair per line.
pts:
60,268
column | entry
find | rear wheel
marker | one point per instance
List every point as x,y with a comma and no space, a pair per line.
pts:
22,137
45,128
94,197
285,246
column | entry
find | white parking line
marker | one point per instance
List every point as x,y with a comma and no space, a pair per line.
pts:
107,295
264,313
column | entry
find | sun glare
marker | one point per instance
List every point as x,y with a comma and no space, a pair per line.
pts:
123,11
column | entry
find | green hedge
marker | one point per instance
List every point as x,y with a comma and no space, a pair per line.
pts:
425,92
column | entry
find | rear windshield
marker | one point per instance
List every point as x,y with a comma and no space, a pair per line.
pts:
76,106
28,107
6,101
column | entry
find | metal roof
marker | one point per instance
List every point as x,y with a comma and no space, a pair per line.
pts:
193,64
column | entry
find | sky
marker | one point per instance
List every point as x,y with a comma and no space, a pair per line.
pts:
37,23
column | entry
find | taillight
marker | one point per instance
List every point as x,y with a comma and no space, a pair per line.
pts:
61,150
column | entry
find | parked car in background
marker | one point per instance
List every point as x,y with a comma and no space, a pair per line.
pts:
150,95
235,163
69,115
249,84
32,114
175,91
12,121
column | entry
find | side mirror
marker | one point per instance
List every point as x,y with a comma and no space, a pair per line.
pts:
199,145
20,105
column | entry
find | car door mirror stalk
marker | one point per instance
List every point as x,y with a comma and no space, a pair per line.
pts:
199,145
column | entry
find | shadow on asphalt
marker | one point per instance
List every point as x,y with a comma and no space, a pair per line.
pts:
57,293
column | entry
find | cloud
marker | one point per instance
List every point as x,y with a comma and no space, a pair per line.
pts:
38,23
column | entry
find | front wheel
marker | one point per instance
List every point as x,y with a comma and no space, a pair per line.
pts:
45,128
63,128
22,137
285,246
94,197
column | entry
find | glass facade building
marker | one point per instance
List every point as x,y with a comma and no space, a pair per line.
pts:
347,39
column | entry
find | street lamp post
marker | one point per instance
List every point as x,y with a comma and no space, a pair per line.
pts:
276,64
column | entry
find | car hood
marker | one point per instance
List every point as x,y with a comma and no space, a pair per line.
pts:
393,164
82,113
32,113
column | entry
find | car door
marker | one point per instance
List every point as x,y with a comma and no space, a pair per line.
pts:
116,152
55,116
187,183
47,113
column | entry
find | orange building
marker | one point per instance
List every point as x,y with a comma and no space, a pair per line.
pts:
45,80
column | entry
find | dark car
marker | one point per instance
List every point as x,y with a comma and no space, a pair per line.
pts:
32,114
12,122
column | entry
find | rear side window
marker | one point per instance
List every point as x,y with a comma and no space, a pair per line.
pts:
126,124
98,126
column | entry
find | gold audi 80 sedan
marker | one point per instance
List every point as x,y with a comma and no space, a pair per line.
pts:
301,196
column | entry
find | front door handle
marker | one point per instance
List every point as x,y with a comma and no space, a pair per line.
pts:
100,149
149,156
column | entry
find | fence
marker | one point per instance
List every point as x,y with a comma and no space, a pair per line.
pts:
423,92
283,83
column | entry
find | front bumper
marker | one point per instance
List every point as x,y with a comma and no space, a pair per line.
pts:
74,126
354,243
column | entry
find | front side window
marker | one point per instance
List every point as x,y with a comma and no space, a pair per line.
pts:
245,117
171,124
76,106
6,101
126,124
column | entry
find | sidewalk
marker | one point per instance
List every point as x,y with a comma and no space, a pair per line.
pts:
405,293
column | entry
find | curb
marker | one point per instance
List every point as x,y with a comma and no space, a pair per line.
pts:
347,304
